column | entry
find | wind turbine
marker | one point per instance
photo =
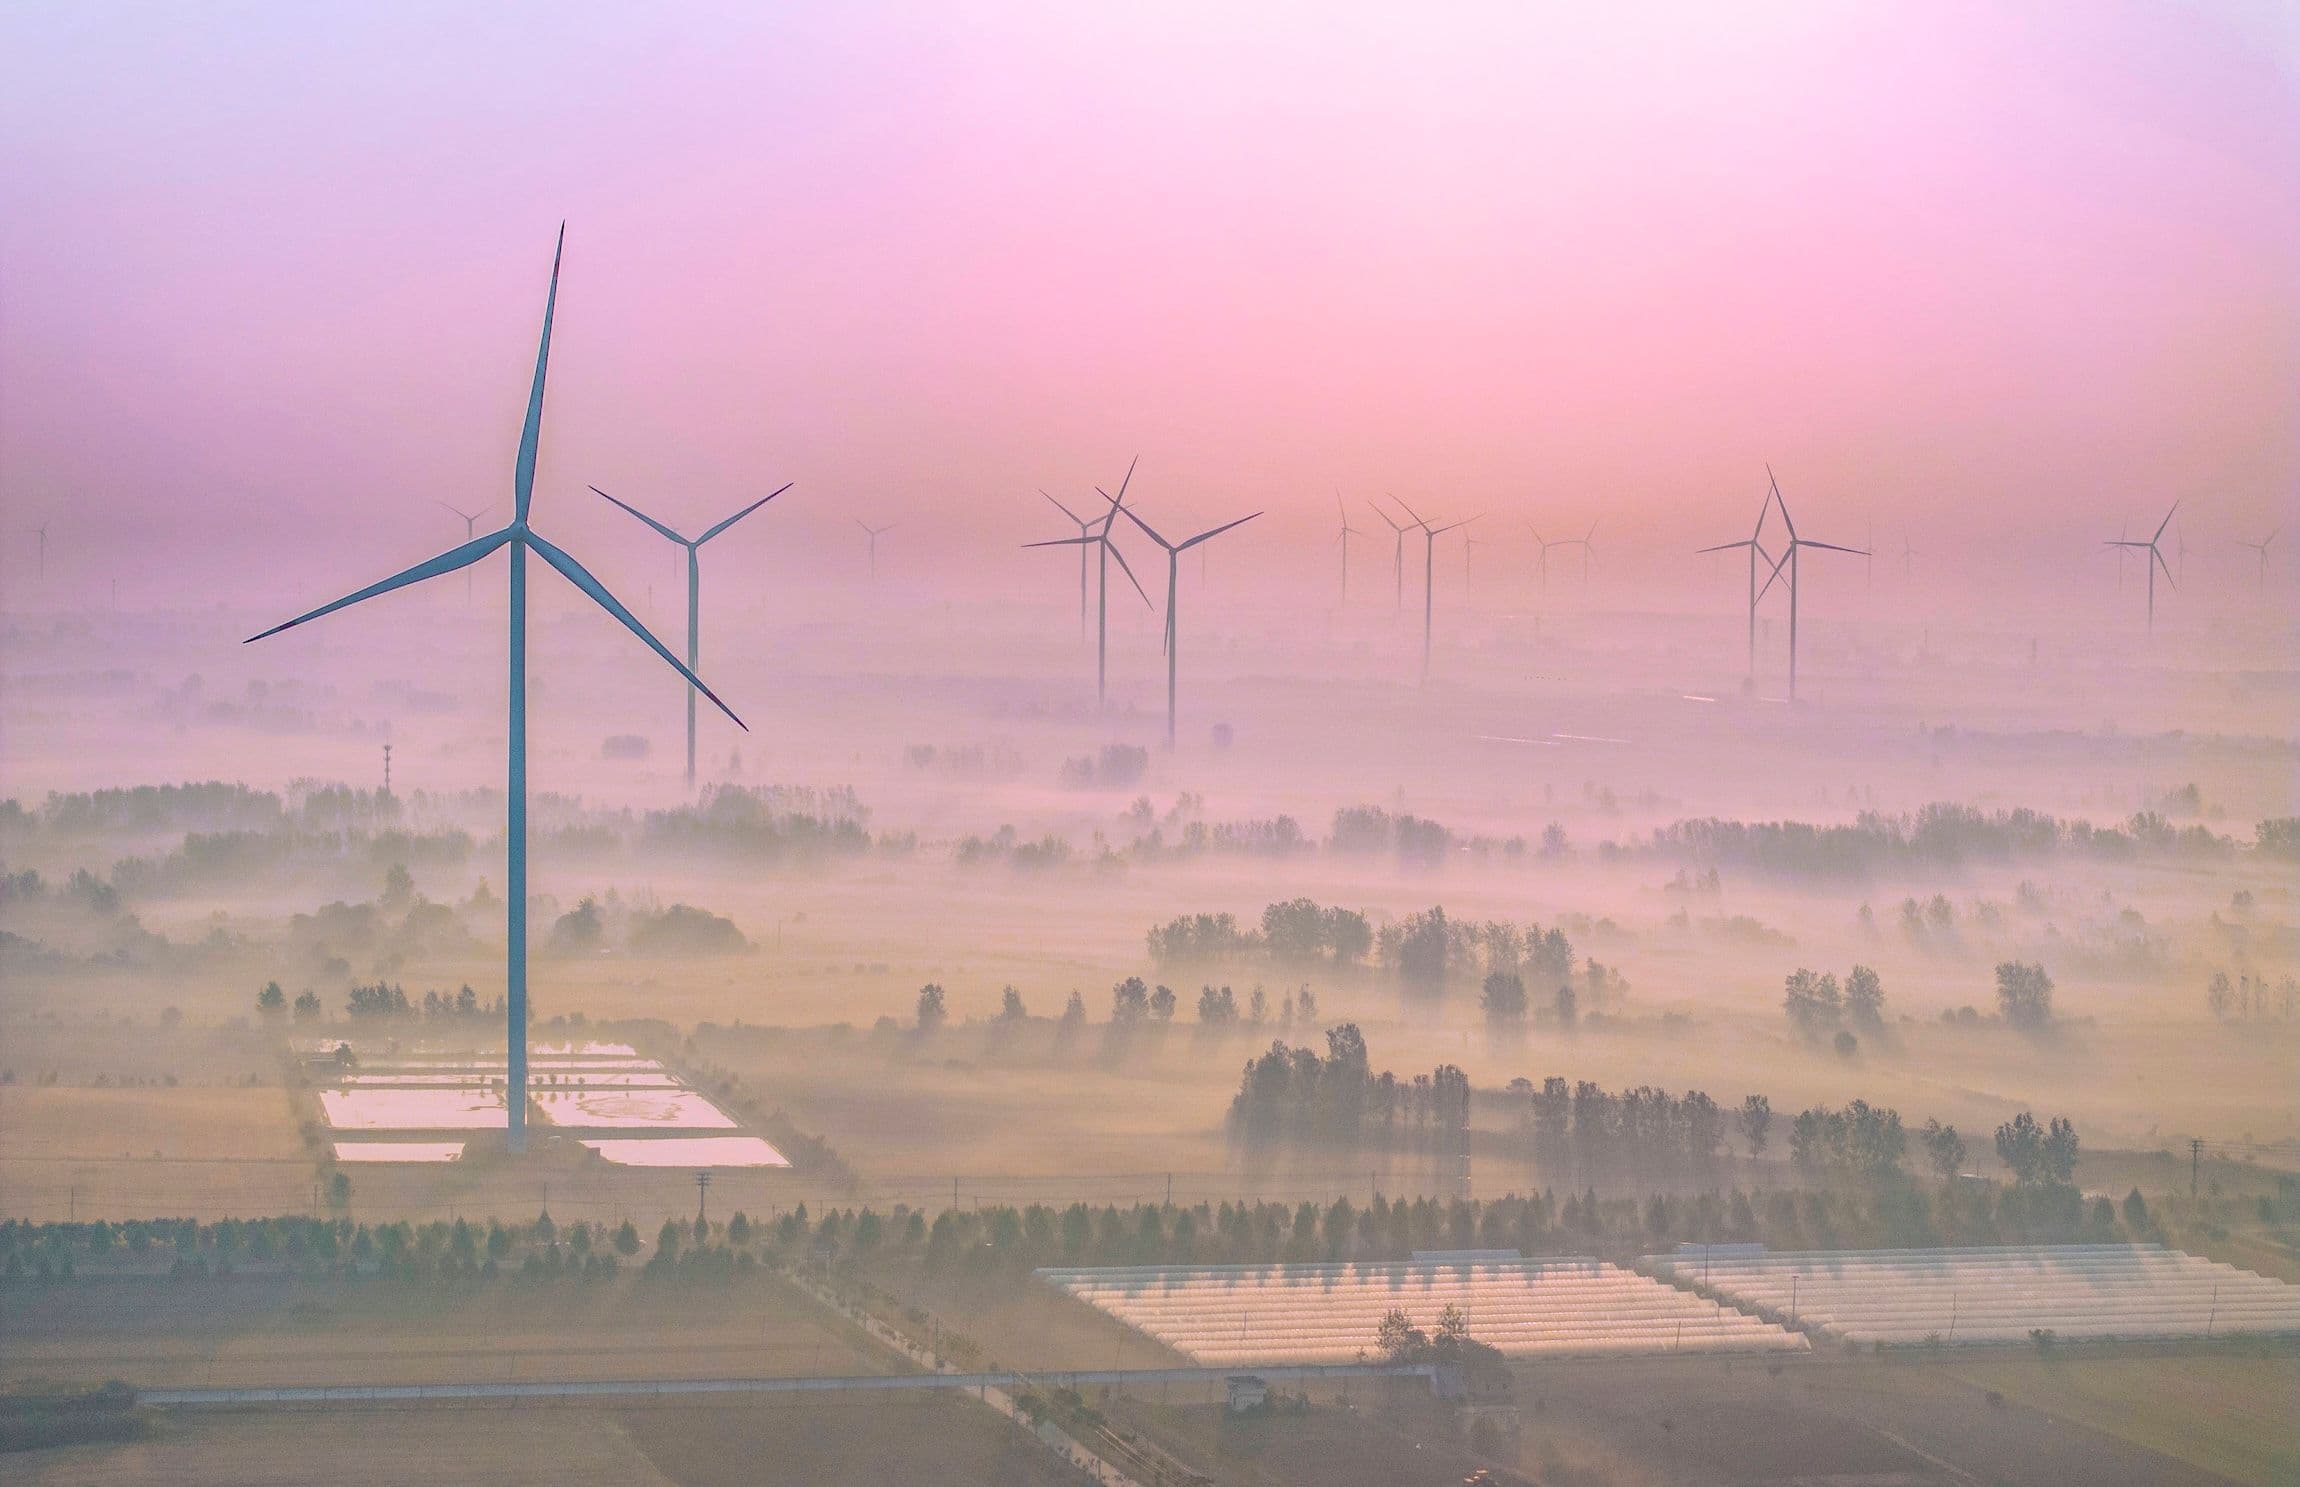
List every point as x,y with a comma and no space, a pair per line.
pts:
521,539
2261,549
1347,532
694,593
2152,562
1542,564
1084,527
1588,543
41,532
1097,534
875,533
1755,543
470,531
1430,536
1786,563
1174,551
1789,560
1397,562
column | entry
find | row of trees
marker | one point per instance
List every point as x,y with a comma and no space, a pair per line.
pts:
1293,1096
1423,950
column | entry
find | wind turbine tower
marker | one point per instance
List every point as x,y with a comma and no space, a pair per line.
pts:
1174,551
1430,536
694,594
1097,534
1786,564
470,531
1347,532
2260,550
1085,529
874,533
1398,559
2152,562
520,539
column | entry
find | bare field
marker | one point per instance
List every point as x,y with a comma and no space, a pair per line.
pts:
254,1332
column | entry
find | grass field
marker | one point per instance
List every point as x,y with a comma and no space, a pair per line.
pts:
195,1123
929,1438
2234,1414
216,1333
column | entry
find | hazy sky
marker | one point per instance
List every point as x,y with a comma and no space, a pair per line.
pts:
270,275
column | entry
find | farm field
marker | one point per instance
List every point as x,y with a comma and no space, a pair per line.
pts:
250,1331
924,1439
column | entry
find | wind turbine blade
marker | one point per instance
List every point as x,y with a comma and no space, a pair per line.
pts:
1148,531
1385,516
466,515
746,511
1774,574
531,432
1065,542
1417,516
1066,511
2167,567
1861,552
1120,498
643,516
1726,546
576,574
2160,526
1210,536
1129,572
447,562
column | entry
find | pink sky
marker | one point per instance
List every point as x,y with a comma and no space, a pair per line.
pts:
2004,276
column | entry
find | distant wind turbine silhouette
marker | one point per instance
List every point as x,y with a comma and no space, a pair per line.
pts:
1786,563
1084,527
1347,532
1398,560
2260,549
2152,562
694,592
470,532
41,532
1174,551
1097,534
874,533
521,539
1430,536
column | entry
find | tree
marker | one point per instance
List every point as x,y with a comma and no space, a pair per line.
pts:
1010,1008
931,1009
307,1006
398,886
1217,1007
2024,994
271,1001
1162,1004
1811,1002
1397,1338
2060,1150
1503,999
339,1190
627,1239
1756,1123
1944,1149
2020,1146
1845,1043
1129,1002
1568,1006
1864,998
1348,935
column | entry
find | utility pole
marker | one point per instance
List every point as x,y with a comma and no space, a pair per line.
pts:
387,769
702,1196
1169,1190
2195,1162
